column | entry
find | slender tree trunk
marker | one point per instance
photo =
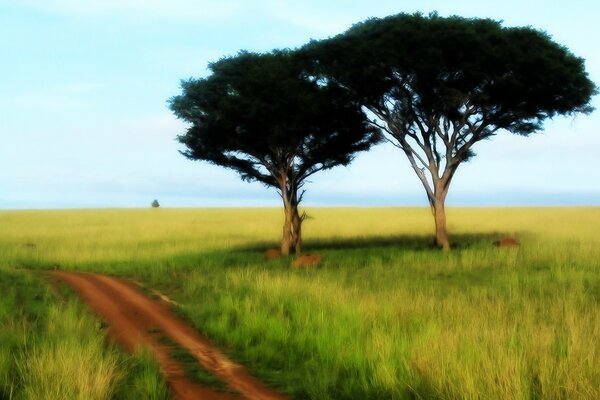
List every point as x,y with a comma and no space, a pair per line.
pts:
286,239
296,231
291,241
439,214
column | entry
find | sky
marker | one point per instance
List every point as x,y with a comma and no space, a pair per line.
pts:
84,120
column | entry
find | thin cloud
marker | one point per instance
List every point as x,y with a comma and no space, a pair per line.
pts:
59,97
325,25
323,18
204,10
313,16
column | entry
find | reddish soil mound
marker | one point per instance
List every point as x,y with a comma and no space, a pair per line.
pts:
271,254
306,260
507,242
135,320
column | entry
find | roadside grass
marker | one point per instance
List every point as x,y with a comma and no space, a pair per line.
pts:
193,369
385,315
70,361
55,349
142,379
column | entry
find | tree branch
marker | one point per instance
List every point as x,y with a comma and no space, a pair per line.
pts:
410,155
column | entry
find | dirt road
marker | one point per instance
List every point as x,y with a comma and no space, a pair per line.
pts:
135,320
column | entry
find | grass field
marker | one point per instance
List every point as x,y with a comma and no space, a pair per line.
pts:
385,315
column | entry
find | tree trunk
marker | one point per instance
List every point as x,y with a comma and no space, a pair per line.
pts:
439,215
286,239
291,241
296,231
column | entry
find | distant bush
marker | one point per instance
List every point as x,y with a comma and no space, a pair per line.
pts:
155,204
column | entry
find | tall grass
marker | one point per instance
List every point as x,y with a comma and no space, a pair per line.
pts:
512,336
70,361
142,379
385,316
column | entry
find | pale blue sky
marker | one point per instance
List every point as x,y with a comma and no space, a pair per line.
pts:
84,121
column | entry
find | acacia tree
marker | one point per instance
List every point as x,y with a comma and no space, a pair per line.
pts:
436,86
260,115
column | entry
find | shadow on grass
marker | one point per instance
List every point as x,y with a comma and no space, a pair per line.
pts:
399,242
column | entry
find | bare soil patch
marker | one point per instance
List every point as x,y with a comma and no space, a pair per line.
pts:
271,254
507,242
306,260
134,321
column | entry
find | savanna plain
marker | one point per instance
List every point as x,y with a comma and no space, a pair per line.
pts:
385,315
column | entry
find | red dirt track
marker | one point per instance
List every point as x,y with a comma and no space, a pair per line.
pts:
134,321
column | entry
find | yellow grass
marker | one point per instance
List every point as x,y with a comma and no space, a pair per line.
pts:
75,238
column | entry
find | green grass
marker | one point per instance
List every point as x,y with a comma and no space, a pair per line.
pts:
385,315
142,379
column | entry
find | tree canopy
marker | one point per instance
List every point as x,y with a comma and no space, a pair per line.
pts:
261,115
435,86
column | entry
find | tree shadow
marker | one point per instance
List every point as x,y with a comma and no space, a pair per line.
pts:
400,242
